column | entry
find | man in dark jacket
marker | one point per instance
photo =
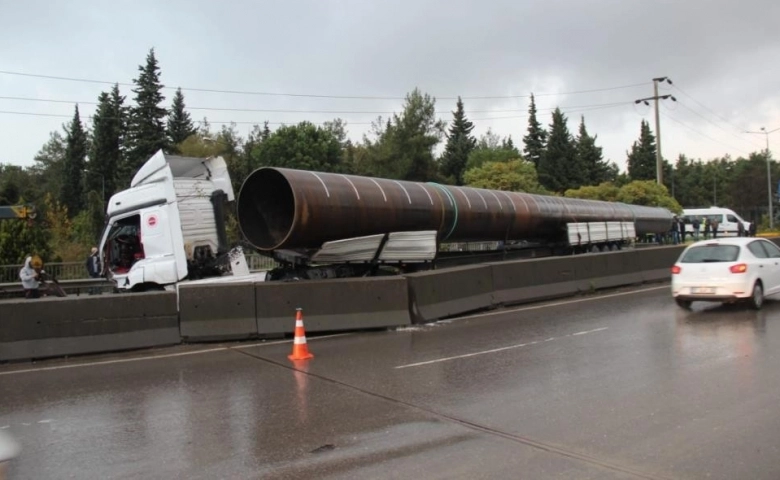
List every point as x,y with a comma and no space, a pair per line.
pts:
93,268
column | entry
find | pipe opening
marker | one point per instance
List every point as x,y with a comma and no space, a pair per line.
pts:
266,208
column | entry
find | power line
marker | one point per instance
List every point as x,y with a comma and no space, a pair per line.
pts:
704,134
356,112
309,95
713,123
90,117
708,109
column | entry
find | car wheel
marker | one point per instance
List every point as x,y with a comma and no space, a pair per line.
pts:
684,304
757,299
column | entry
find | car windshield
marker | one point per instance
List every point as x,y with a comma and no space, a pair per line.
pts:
711,253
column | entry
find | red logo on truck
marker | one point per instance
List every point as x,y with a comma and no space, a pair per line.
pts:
152,221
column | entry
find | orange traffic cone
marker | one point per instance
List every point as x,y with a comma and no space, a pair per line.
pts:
300,349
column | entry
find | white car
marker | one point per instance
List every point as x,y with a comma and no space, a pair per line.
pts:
727,270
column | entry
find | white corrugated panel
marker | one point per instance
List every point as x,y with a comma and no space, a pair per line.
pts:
409,247
196,213
598,231
359,249
614,231
577,233
629,230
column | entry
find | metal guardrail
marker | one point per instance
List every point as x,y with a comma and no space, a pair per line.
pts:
78,270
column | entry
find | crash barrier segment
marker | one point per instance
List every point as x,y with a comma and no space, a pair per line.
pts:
446,293
53,327
217,311
332,305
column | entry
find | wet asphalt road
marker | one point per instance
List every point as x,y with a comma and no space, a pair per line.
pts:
618,386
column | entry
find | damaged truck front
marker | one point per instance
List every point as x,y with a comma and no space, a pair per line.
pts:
169,225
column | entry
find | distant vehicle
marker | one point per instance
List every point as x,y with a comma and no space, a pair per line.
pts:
727,270
728,220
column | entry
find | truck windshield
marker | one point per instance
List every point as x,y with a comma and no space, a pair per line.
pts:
123,244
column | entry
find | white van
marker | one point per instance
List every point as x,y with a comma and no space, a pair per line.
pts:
728,220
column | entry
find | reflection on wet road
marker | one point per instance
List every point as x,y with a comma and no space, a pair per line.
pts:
623,385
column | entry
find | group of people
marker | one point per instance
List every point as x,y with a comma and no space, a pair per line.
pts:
705,228
32,274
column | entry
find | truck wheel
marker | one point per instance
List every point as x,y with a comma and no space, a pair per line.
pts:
757,298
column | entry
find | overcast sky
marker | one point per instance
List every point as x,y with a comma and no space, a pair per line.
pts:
721,55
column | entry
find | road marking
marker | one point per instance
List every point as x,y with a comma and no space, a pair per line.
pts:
558,304
167,355
494,350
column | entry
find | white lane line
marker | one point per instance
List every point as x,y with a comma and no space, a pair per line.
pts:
589,331
558,304
167,355
510,347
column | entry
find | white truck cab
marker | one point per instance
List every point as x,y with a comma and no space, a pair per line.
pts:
728,220
169,224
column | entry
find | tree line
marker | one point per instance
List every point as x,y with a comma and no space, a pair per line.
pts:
77,170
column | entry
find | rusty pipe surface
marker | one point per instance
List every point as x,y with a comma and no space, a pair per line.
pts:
282,208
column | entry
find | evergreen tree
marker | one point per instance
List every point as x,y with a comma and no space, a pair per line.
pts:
641,158
404,146
72,195
590,158
460,143
146,132
179,122
558,170
536,138
508,144
109,125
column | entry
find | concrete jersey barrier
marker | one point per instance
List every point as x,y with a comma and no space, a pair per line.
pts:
332,305
52,327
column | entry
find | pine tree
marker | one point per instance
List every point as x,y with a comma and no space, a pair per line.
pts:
641,159
460,143
557,169
536,138
146,132
109,128
72,195
179,122
590,158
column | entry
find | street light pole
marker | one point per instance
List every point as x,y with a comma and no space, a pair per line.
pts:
768,174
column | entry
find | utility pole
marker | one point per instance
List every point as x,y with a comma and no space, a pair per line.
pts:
659,164
768,175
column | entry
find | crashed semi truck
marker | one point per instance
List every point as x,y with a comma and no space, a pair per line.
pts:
169,226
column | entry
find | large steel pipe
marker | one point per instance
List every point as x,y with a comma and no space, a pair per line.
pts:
283,208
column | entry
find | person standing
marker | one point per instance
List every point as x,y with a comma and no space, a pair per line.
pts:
93,268
706,228
715,224
696,224
675,230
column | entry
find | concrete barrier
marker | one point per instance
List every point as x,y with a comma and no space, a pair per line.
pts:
528,280
50,327
655,263
444,293
332,305
217,311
